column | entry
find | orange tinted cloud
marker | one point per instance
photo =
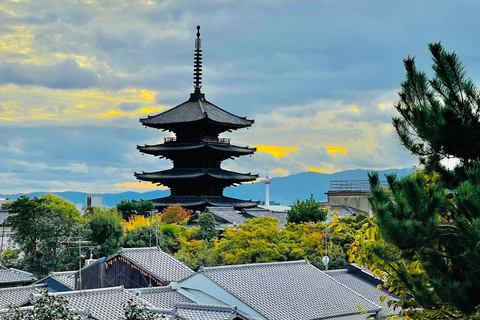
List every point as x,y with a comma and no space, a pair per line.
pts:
336,149
281,172
276,151
116,113
315,170
140,185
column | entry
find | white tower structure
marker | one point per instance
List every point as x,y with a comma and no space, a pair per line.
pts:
267,190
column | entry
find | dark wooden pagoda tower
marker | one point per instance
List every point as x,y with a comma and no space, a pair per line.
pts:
196,180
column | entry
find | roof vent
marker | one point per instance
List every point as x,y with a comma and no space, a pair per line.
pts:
137,292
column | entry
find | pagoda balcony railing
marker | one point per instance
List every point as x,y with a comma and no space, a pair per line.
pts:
169,139
221,140
209,139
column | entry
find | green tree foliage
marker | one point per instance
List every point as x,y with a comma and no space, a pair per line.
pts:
306,211
144,207
439,117
10,257
194,253
427,231
134,311
262,240
207,230
128,208
45,308
169,237
106,230
137,238
42,228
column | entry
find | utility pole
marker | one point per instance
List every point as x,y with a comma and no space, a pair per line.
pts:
80,243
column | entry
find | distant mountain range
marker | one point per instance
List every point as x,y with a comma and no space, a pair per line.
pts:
283,190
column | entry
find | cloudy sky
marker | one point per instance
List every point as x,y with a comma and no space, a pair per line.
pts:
319,77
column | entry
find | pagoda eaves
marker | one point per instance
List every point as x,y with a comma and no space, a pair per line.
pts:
178,149
196,179
196,111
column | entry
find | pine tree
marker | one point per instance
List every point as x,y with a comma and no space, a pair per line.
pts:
427,231
306,211
439,117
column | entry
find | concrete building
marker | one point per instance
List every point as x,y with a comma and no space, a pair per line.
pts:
349,193
94,201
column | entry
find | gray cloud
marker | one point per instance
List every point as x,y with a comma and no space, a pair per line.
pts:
296,67
128,106
64,75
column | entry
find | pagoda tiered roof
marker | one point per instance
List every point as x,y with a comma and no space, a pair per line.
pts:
165,149
196,111
200,202
196,150
194,173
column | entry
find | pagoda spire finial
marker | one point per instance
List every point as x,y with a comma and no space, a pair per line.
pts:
197,68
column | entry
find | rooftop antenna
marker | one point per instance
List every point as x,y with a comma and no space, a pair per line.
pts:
197,69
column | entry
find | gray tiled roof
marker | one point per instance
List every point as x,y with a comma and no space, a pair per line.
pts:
173,147
158,263
198,312
365,288
18,296
162,297
85,314
15,276
203,201
192,111
228,214
194,173
203,312
275,208
289,290
66,277
103,304
344,211
260,212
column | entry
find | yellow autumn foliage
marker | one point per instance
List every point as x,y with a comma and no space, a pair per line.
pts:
137,221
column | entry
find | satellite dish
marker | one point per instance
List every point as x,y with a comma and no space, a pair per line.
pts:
137,292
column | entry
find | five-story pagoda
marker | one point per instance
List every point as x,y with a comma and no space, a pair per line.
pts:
196,180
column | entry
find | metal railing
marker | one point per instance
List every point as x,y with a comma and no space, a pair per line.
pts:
352,185
169,139
211,139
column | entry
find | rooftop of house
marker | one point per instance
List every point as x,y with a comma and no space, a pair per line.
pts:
226,214
108,303
11,276
156,262
66,277
366,288
201,312
261,212
18,296
101,304
288,290
161,297
345,211
231,216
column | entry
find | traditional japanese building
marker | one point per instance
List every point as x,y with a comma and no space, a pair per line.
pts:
197,150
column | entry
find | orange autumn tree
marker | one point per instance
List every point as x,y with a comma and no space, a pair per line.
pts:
175,214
